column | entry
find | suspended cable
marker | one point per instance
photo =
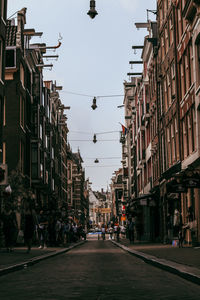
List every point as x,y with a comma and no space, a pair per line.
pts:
107,132
103,157
106,166
13,14
110,96
78,94
91,140
86,95
82,132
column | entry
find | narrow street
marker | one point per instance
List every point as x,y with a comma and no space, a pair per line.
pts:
95,270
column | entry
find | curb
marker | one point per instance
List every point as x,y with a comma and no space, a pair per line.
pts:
35,260
186,272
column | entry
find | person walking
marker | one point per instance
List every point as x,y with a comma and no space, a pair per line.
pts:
8,217
42,229
29,223
111,230
118,232
103,231
131,231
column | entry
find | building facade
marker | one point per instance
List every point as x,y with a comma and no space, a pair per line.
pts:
163,132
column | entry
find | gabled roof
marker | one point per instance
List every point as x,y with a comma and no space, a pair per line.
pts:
11,31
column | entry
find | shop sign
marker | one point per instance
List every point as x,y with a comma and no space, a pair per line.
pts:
192,182
177,188
143,202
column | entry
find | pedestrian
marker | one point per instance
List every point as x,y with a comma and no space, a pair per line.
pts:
66,231
29,223
103,231
58,229
51,228
111,230
118,232
42,229
131,226
75,235
180,238
8,218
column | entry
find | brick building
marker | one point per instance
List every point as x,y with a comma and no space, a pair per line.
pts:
3,16
165,124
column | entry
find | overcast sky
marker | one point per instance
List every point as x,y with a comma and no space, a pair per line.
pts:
93,60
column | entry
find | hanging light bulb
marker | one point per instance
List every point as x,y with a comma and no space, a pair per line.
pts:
92,12
94,138
94,105
96,161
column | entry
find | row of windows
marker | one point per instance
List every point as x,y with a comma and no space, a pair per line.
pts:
186,71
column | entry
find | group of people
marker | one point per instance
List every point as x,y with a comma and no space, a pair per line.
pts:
113,230
42,228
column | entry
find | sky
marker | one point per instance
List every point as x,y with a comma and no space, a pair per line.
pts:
93,61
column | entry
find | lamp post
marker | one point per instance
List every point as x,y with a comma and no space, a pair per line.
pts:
92,12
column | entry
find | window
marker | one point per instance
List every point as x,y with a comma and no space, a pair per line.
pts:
21,158
21,111
22,74
41,132
2,8
173,144
1,58
166,38
169,147
191,55
52,153
198,60
4,153
185,137
10,58
162,48
173,79
180,28
169,89
182,81
4,112
177,140
194,124
34,160
187,71
41,170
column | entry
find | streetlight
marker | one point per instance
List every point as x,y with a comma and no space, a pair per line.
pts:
92,12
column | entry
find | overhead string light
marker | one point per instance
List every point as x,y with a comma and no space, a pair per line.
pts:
94,101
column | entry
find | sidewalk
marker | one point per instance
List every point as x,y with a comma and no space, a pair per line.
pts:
184,262
19,259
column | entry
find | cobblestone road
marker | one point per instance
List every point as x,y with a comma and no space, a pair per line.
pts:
95,270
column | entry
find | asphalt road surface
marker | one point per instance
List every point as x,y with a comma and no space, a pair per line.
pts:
95,270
